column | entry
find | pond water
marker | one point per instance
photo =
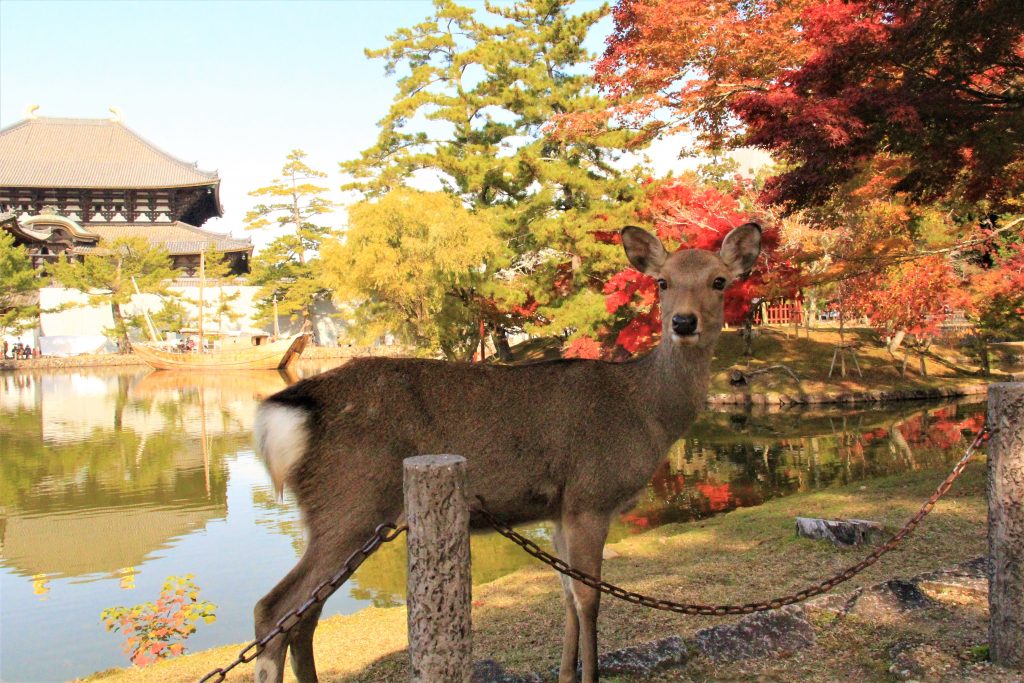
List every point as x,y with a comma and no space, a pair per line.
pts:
113,479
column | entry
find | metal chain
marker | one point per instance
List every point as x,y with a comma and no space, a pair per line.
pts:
384,533
717,610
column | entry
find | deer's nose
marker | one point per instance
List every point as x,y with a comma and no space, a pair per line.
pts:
684,325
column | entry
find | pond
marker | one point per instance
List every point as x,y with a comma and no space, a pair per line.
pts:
113,479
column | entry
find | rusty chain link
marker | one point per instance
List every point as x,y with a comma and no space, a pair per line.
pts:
717,610
384,533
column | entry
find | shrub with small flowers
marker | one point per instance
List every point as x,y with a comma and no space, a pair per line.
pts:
153,627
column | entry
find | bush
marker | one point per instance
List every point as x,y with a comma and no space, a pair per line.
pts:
152,627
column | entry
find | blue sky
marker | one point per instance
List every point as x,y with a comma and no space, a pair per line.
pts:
233,85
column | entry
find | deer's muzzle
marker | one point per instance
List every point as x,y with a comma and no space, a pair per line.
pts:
684,325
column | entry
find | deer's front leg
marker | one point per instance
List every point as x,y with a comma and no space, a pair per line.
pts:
585,534
571,638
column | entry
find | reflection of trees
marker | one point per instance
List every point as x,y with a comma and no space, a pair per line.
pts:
740,460
112,468
93,483
280,517
107,499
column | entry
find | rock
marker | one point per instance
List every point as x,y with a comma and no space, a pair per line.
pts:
489,671
640,659
757,635
609,553
829,604
845,532
645,658
887,599
966,582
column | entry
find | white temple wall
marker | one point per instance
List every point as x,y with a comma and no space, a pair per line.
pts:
68,325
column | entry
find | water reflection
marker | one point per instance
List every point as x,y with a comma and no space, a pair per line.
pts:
112,479
740,460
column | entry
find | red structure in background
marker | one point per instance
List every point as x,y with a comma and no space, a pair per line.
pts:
780,312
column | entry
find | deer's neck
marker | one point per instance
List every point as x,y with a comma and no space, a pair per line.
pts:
674,385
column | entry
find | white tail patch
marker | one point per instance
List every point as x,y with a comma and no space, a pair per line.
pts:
282,434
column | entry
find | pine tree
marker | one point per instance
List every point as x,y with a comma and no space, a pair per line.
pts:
107,277
287,268
17,279
471,109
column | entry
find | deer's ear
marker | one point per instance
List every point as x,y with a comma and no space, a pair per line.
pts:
644,250
741,248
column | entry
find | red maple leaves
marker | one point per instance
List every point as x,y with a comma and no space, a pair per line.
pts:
684,214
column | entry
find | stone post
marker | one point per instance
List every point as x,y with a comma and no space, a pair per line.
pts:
439,588
1006,524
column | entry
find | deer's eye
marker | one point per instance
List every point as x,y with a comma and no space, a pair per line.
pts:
662,283
719,283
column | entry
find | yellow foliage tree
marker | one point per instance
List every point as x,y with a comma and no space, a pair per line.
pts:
416,265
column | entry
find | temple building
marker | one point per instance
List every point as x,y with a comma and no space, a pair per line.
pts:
67,185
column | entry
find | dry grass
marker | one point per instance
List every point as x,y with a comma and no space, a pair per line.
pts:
810,357
742,556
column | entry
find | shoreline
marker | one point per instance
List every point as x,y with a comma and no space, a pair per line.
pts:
743,399
131,359
715,401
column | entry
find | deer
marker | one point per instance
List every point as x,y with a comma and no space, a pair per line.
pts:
573,441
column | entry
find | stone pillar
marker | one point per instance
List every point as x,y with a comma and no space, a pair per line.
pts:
439,588
1006,524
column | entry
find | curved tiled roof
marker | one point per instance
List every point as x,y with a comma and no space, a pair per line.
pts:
176,238
89,153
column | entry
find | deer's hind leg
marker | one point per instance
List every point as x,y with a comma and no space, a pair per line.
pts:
328,549
287,595
301,645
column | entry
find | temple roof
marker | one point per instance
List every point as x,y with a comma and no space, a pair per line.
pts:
177,238
89,153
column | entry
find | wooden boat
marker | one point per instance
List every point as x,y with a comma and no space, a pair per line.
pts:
275,355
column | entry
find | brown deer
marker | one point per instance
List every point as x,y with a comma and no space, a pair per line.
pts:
572,441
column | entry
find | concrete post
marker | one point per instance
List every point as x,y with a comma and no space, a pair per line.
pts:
1006,524
439,588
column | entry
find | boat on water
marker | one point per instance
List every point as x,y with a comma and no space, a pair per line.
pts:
274,355
277,355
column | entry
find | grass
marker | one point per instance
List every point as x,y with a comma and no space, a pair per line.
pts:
742,556
809,355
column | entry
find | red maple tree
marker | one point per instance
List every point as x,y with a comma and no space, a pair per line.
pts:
685,214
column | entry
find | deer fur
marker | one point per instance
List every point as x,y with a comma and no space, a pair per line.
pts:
574,441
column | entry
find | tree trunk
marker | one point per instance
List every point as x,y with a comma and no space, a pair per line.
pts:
501,345
748,330
923,349
309,325
896,340
124,345
983,356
